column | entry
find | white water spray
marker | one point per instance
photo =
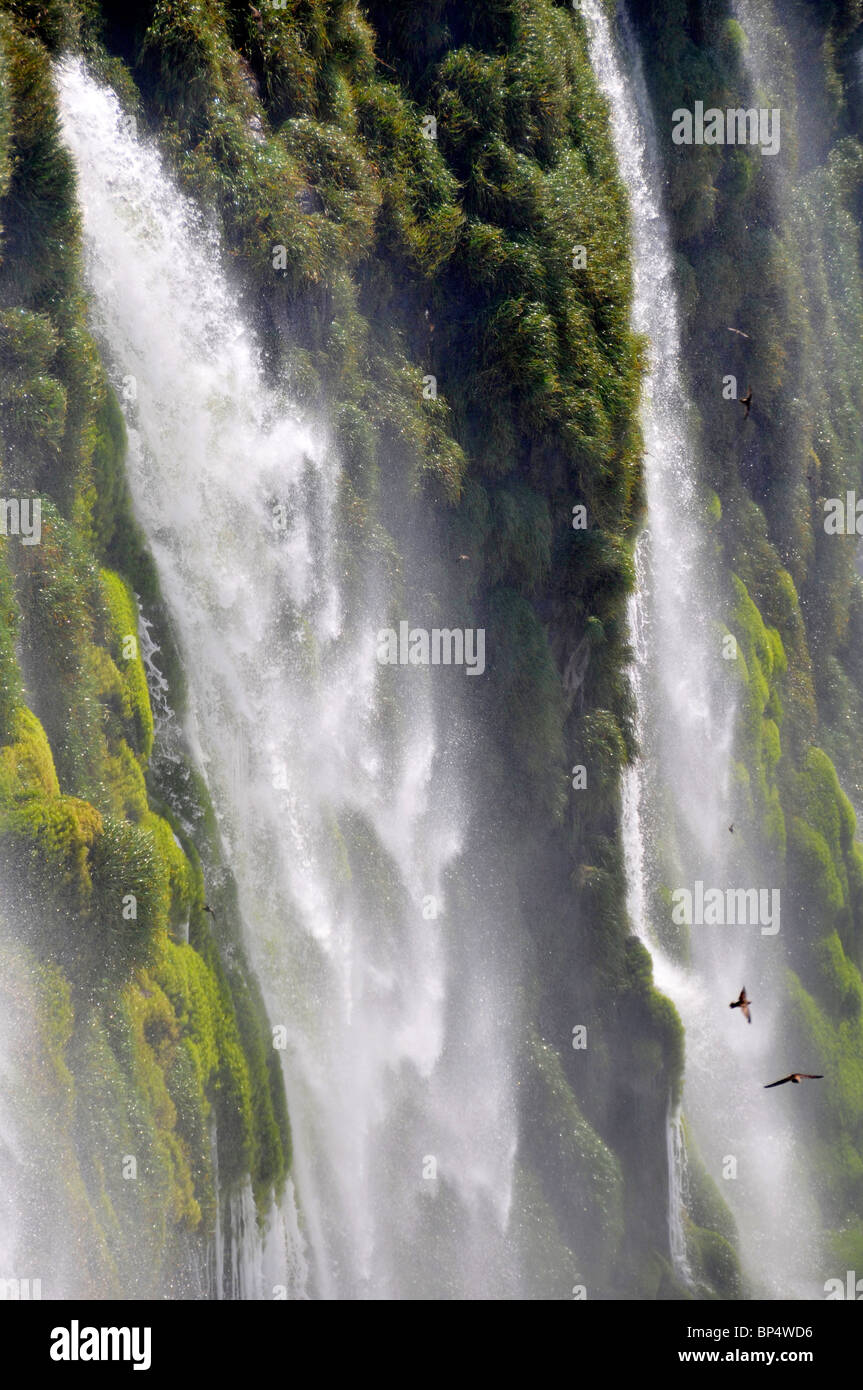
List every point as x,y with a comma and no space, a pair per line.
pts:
677,797
337,827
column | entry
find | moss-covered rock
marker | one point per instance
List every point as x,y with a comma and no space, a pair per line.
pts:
583,1182
149,1050
795,608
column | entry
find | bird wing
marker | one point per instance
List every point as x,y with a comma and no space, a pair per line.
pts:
746,1014
777,1083
813,1075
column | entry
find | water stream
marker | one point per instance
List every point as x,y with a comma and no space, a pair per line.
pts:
679,799
343,811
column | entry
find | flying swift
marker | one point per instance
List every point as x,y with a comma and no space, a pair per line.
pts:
796,1077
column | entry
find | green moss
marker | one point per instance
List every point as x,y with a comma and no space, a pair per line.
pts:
714,1261
181,881
124,647
38,206
584,1179
602,751
404,257
109,496
759,670
829,1029
846,1249
667,1051
711,1233
10,675
826,869
26,764
52,840
713,509
550,1269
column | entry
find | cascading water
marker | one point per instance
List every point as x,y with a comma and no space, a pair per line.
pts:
10,1156
678,799
338,824
678,1194
36,1258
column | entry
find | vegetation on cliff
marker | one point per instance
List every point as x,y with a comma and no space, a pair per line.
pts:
425,217
770,246
405,193
153,1058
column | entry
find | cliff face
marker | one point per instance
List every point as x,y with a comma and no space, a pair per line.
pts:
770,246
151,1071
404,194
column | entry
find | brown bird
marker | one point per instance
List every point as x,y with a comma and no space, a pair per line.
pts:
207,908
740,333
747,402
464,557
731,828
256,16
742,1003
796,1077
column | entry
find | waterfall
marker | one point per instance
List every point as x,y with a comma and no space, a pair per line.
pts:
344,811
678,1193
37,1259
11,1157
678,800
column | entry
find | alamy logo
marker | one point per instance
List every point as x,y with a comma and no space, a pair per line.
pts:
736,126
443,646
20,1289
76,1343
843,516
713,907
21,516
851,1288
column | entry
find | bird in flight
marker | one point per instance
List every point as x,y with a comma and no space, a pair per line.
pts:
742,1003
731,828
747,402
796,1077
